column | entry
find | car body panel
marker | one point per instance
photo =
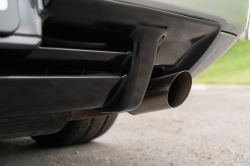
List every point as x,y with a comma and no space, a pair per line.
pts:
9,17
232,15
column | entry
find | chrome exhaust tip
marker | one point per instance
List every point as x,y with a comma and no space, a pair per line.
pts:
165,92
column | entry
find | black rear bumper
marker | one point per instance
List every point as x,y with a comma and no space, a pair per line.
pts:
88,55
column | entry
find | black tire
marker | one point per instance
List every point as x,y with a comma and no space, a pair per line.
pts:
75,132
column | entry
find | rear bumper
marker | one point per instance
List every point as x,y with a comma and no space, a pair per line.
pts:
193,40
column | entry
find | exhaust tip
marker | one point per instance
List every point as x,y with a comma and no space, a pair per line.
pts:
179,89
165,92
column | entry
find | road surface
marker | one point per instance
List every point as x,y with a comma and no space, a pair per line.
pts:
211,128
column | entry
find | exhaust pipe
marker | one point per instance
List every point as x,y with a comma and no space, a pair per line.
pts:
165,92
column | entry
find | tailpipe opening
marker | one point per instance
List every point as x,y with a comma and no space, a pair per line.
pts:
165,92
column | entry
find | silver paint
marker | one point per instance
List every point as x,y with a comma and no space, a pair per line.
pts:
232,15
30,21
20,42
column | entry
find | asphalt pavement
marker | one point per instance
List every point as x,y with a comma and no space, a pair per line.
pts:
211,128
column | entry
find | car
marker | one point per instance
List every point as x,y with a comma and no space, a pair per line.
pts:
69,67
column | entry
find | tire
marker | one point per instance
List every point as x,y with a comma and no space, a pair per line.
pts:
75,132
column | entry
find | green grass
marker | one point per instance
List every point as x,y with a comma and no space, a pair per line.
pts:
232,67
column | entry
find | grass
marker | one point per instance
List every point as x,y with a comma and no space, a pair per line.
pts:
232,67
